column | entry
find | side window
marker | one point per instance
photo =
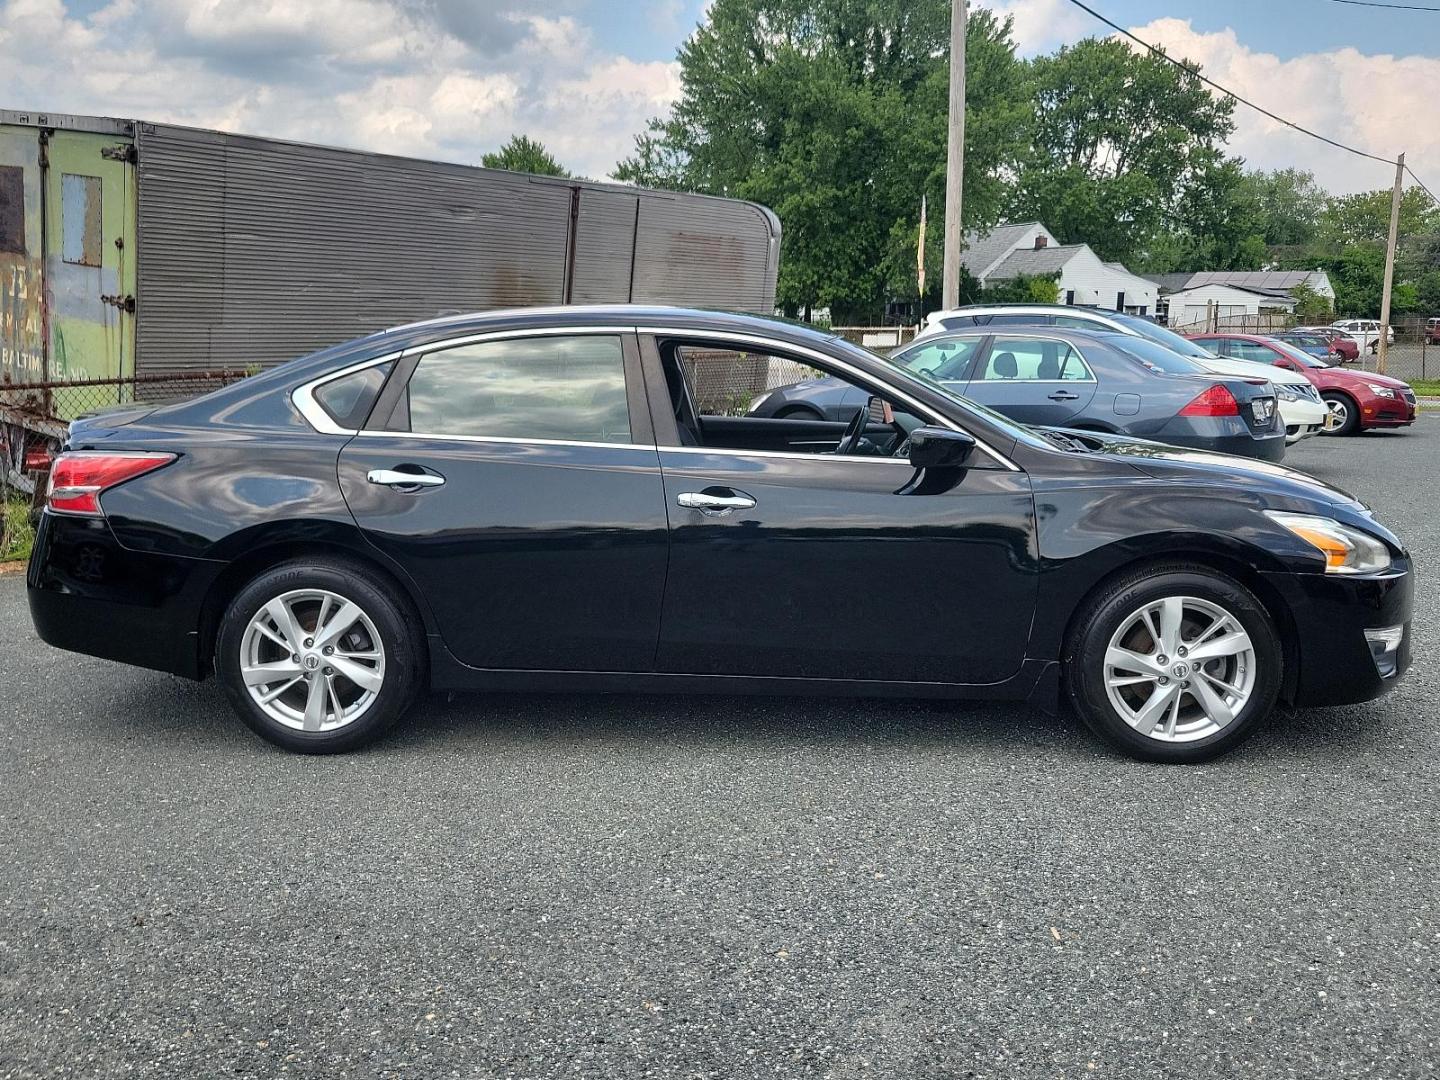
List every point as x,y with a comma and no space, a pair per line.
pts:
958,322
1022,319
1250,350
349,399
1218,346
565,388
1032,360
943,361
1074,323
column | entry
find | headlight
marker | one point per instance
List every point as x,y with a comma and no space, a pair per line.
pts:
1381,391
1346,550
1287,392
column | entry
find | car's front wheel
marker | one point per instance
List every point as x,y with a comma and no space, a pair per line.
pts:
318,656
1344,413
1174,663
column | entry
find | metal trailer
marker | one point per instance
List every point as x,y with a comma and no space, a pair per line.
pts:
130,248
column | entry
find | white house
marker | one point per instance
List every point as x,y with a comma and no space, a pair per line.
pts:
1249,292
1009,251
1195,306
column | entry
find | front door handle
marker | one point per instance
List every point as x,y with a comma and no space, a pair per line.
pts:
1064,395
707,503
402,479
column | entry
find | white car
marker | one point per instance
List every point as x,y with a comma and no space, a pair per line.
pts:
1302,409
1364,332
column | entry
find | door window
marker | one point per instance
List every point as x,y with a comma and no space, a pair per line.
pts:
1251,350
1074,322
943,361
1033,360
570,389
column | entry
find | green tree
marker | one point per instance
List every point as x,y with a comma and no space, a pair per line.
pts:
1288,205
1309,305
1365,216
1125,149
524,154
833,113
1023,289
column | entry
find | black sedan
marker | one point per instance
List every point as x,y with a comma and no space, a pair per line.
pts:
545,500
1062,377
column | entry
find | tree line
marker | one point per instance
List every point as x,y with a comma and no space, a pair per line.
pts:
834,114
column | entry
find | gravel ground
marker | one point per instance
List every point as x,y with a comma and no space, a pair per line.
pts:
696,887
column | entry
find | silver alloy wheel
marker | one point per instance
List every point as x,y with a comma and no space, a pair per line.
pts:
1180,669
312,660
1339,410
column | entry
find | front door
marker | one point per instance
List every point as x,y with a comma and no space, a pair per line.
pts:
1033,379
519,486
817,564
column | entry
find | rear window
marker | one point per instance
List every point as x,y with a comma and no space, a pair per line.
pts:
348,400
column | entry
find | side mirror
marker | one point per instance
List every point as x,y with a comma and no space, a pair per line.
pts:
940,448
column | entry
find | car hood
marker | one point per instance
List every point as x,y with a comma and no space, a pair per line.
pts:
1350,378
1165,462
1249,369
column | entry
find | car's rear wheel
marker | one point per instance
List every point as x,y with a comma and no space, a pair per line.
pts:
1174,663
798,412
1345,413
318,656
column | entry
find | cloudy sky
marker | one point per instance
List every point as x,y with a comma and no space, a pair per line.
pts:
454,78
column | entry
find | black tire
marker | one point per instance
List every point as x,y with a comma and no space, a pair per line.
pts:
798,412
1111,606
389,613
1351,423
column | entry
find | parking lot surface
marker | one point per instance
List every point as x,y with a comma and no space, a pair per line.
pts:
703,887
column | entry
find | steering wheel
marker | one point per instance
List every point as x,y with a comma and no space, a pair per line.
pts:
854,432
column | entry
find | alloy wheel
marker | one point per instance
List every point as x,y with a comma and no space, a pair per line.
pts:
312,660
1339,410
1180,669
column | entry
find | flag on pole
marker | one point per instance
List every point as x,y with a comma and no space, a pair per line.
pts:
920,251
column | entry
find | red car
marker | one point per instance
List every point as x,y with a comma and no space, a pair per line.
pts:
1341,343
1358,400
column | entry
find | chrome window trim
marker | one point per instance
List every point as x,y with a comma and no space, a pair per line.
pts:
825,360
303,396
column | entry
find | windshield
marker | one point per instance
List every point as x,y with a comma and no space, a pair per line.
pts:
1155,332
901,362
1300,356
1156,356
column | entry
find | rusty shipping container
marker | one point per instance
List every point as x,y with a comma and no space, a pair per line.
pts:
129,247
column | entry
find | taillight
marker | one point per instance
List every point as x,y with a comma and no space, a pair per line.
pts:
77,480
1216,401
37,459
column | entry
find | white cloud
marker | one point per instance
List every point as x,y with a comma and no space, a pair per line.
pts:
1379,104
449,79
1043,25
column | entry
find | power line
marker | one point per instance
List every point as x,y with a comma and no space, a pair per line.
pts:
1392,7
1156,50
1423,188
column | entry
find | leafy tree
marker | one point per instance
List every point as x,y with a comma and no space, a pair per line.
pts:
1023,289
1124,144
833,113
1365,216
1310,305
524,154
1288,204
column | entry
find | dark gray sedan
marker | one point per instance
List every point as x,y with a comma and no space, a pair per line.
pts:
1057,377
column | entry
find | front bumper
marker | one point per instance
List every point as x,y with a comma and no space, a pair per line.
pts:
1387,412
1332,658
90,595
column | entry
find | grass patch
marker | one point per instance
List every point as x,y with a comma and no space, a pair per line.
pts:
1426,387
16,535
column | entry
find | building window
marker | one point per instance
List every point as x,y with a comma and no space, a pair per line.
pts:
1070,298
12,208
80,217
1119,301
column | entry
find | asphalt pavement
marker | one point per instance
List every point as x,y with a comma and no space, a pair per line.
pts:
586,886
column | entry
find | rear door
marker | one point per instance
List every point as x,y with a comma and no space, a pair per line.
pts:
1033,378
516,480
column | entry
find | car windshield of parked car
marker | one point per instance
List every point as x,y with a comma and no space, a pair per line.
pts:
945,359
1300,356
1155,356
1157,333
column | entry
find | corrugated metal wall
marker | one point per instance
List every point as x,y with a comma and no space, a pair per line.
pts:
253,251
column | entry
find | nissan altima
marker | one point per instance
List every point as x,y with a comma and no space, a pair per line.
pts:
562,499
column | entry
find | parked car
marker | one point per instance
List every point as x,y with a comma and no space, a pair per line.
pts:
1301,410
1077,379
1358,400
534,500
1432,331
1314,344
1341,343
1365,332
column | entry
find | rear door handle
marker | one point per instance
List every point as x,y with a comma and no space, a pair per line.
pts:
402,479
714,504
1064,395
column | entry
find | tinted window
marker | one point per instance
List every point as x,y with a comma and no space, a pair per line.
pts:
1075,322
568,388
958,322
1021,319
1171,340
1250,350
350,399
943,360
1033,359
1155,356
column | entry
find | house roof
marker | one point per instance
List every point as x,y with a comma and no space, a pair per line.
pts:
1268,294
1046,260
983,252
1266,282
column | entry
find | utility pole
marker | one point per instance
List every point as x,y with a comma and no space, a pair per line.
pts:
1382,348
954,157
